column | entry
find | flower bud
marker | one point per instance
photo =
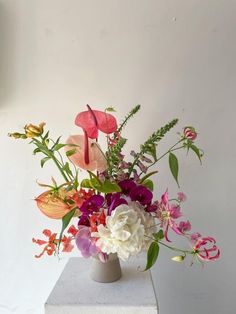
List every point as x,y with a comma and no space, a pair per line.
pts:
190,133
34,130
178,258
17,135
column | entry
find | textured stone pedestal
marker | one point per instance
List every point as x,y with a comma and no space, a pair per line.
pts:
76,293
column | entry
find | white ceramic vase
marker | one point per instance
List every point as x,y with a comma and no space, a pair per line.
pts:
109,271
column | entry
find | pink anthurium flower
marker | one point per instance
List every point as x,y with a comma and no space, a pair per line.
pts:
92,121
97,160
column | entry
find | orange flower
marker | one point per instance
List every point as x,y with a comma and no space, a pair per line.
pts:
56,203
51,243
81,196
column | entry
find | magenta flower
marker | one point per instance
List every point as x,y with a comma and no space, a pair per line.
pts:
206,249
167,214
184,226
126,186
114,200
195,236
93,204
85,243
141,194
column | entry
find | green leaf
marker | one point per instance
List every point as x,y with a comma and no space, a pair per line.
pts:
66,168
147,176
152,255
86,183
42,162
196,150
159,235
174,166
110,109
36,150
58,146
65,222
109,187
94,178
71,152
149,184
46,136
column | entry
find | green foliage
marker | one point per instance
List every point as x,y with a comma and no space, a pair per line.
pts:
45,159
152,255
159,235
65,222
149,184
174,166
196,150
128,116
103,187
149,147
113,155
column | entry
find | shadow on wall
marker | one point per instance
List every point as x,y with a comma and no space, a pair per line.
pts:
7,53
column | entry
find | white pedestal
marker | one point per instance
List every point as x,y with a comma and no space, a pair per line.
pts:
76,293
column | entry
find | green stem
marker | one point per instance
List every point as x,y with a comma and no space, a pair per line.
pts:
175,249
57,163
169,150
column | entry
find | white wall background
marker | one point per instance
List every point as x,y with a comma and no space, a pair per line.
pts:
177,59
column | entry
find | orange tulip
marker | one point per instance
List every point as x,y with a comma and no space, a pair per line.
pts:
54,204
97,160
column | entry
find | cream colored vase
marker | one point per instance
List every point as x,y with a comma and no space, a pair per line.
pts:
109,271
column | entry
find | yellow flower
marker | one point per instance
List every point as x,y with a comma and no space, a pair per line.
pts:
34,130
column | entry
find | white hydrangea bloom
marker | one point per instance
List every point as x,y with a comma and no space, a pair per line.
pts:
124,231
147,220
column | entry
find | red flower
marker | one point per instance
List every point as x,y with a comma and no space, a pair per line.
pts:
97,219
51,243
91,121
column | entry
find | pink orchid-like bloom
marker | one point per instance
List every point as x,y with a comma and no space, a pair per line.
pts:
190,133
184,226
194,237
181,197
97,160
206,249
92,121
167,214
85,243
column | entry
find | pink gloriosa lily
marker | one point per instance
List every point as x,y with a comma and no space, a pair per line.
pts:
206,249
167,214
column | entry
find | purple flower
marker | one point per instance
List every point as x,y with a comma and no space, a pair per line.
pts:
93,204
84,220
114,200
126,186
152,207
141,194
85,243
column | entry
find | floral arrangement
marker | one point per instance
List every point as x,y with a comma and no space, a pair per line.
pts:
114,209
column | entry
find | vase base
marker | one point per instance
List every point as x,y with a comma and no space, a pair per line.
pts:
109,271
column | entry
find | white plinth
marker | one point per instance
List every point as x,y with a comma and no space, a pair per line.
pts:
76,293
